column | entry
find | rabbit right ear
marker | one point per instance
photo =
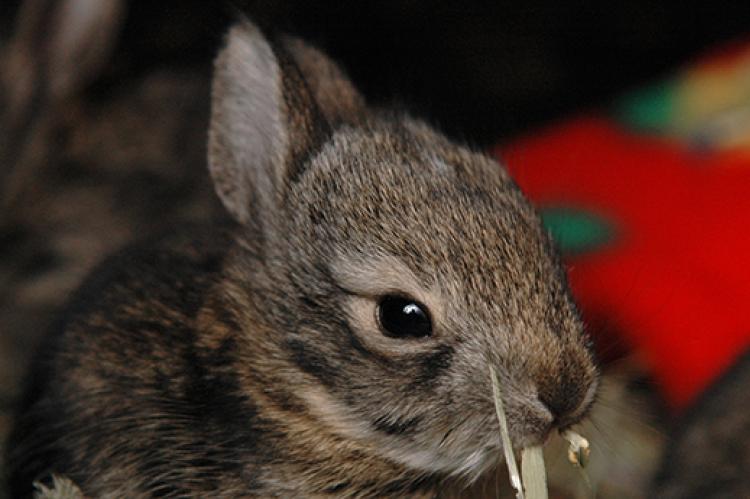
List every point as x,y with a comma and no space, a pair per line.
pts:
263,120
332,89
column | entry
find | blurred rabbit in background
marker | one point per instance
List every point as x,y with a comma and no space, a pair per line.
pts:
91,157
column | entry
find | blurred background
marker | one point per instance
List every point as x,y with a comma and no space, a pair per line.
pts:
103,117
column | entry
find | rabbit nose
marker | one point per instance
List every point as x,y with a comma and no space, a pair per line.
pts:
564,400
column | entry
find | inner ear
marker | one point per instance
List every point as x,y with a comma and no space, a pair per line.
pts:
307,124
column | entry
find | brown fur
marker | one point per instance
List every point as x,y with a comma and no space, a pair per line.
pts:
248,361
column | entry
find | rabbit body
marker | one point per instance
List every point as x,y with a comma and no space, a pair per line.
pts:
254,361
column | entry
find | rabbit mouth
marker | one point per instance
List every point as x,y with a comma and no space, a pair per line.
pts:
464,452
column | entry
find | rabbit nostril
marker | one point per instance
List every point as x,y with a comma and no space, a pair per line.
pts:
553,409
562,403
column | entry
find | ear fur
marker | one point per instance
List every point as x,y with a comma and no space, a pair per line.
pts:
272,105
332,89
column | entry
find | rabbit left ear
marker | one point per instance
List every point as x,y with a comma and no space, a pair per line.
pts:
264,121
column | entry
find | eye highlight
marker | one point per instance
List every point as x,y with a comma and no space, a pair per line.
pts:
402,317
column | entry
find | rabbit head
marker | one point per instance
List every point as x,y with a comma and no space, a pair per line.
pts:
398,265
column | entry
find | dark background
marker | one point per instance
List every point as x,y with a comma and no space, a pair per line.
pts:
481,70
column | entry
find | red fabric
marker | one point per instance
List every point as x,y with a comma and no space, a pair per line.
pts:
676,279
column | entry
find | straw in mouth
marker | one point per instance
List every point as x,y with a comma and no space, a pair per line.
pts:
510,458
531,483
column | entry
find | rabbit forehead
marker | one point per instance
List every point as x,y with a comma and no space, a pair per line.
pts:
440,211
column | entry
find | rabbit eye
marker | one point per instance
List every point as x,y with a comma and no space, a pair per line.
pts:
402,317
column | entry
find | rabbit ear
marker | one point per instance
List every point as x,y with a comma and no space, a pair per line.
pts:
264,120
333,91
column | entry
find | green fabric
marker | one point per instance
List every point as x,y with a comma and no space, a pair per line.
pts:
649,109
577,231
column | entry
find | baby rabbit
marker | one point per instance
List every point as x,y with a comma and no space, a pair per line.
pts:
335,341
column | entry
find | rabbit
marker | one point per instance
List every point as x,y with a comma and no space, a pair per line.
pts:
57,48
333,339
708,454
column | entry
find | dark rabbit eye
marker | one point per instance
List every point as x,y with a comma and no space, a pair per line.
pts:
403,317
